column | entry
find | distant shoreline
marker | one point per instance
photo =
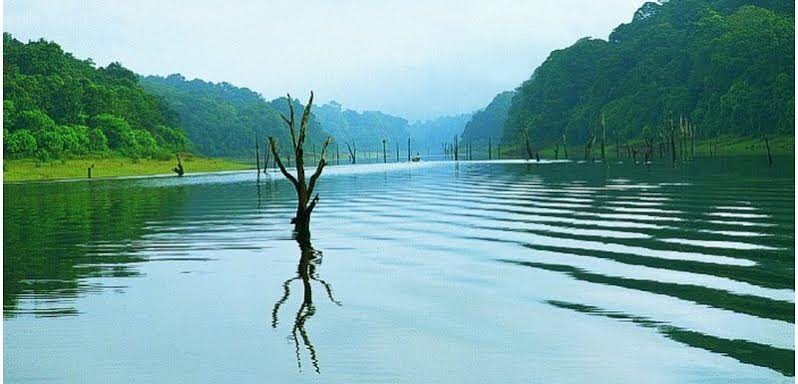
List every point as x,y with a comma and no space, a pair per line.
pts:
19,170
22,170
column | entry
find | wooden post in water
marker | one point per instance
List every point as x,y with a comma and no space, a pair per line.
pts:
456,149
337,155
178,169
767,147
603,137
408,149
525,133
490,149
673,145
257,155
384,153
564,146
266,158
90,169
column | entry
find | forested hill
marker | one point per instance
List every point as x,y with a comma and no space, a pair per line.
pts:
488,122
727,65
365,129
431,135
368,129
55,105
224,120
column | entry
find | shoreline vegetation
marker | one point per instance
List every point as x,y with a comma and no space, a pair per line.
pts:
20,170
77,169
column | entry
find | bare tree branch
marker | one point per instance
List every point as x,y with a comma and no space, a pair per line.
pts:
320,167
303,127
276,154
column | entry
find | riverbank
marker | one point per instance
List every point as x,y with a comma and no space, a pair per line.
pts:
34,170
721,146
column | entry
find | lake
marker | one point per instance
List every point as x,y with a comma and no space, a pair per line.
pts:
468,272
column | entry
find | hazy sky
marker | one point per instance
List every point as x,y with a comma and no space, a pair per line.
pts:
417,59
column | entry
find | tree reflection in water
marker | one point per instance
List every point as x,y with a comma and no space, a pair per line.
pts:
309,259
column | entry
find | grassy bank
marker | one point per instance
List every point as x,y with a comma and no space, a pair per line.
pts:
722,146
28,169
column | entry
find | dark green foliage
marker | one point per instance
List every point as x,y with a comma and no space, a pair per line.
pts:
489,121
727,66
366,129
221,119
70,107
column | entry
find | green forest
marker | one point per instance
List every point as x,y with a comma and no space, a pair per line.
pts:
56,105
727,66
223,120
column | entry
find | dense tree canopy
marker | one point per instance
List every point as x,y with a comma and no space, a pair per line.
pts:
727,65
224,120
488,122
368,129
56,105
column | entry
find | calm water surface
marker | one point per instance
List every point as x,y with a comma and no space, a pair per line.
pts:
429,272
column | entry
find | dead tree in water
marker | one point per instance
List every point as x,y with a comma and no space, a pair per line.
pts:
304,190
384,154
564,147
456,149
178,169
266,161
589,147
767,147
528,145
673,144
408,149
490,149
352,153
89,170
603,138
257,154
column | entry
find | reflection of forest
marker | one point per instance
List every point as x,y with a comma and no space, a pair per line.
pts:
49,229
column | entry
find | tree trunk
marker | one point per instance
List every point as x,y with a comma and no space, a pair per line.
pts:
304,190
257,155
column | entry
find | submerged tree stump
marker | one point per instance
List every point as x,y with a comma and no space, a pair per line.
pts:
304,190
179,168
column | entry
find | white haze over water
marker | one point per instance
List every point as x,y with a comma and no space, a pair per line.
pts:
416,59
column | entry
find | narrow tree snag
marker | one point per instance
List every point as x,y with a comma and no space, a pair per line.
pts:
673,145
89,170
603,138
178,169
767,147
589,147
257,155
529,154
564,146
456,149
384,153
556,151
490,149
304,190
408,149
266,160
352,153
